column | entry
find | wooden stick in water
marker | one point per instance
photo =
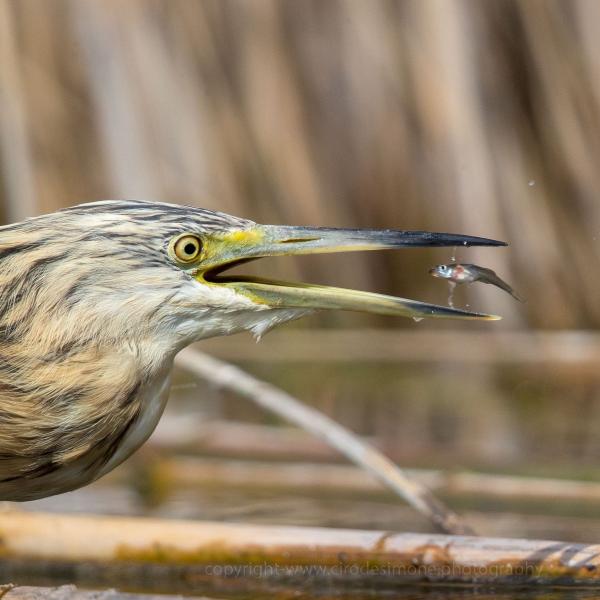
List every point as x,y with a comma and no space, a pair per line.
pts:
350,445
35,544
70,592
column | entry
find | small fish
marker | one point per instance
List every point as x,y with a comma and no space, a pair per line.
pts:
464,273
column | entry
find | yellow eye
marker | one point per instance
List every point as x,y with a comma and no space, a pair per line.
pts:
187,248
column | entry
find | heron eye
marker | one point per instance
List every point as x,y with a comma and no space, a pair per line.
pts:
187,248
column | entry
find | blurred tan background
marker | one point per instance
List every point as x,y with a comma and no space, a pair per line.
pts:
461,115
471,116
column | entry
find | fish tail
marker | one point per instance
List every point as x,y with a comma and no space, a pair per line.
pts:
495,280
516,296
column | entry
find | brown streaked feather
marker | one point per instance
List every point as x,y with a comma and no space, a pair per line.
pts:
86,295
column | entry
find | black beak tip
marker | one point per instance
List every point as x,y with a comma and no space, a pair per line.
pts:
427,238
468,240
497,243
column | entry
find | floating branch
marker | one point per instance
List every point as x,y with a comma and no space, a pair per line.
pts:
287,407
196,471
252,555
70,592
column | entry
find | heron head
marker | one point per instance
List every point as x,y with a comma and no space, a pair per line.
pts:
96,300
160,272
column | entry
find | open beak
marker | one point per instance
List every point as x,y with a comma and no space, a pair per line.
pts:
224,250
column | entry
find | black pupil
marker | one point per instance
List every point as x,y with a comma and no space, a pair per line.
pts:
189,248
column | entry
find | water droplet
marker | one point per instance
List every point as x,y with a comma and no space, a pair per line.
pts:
451,287
417,319
453,257
465,243
531,183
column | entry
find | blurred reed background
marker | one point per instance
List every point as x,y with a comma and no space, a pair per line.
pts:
476,117
479,117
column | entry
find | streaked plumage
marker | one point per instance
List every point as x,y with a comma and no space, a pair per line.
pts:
82,341
94,308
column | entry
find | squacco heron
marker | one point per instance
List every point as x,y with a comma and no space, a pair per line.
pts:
96,301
